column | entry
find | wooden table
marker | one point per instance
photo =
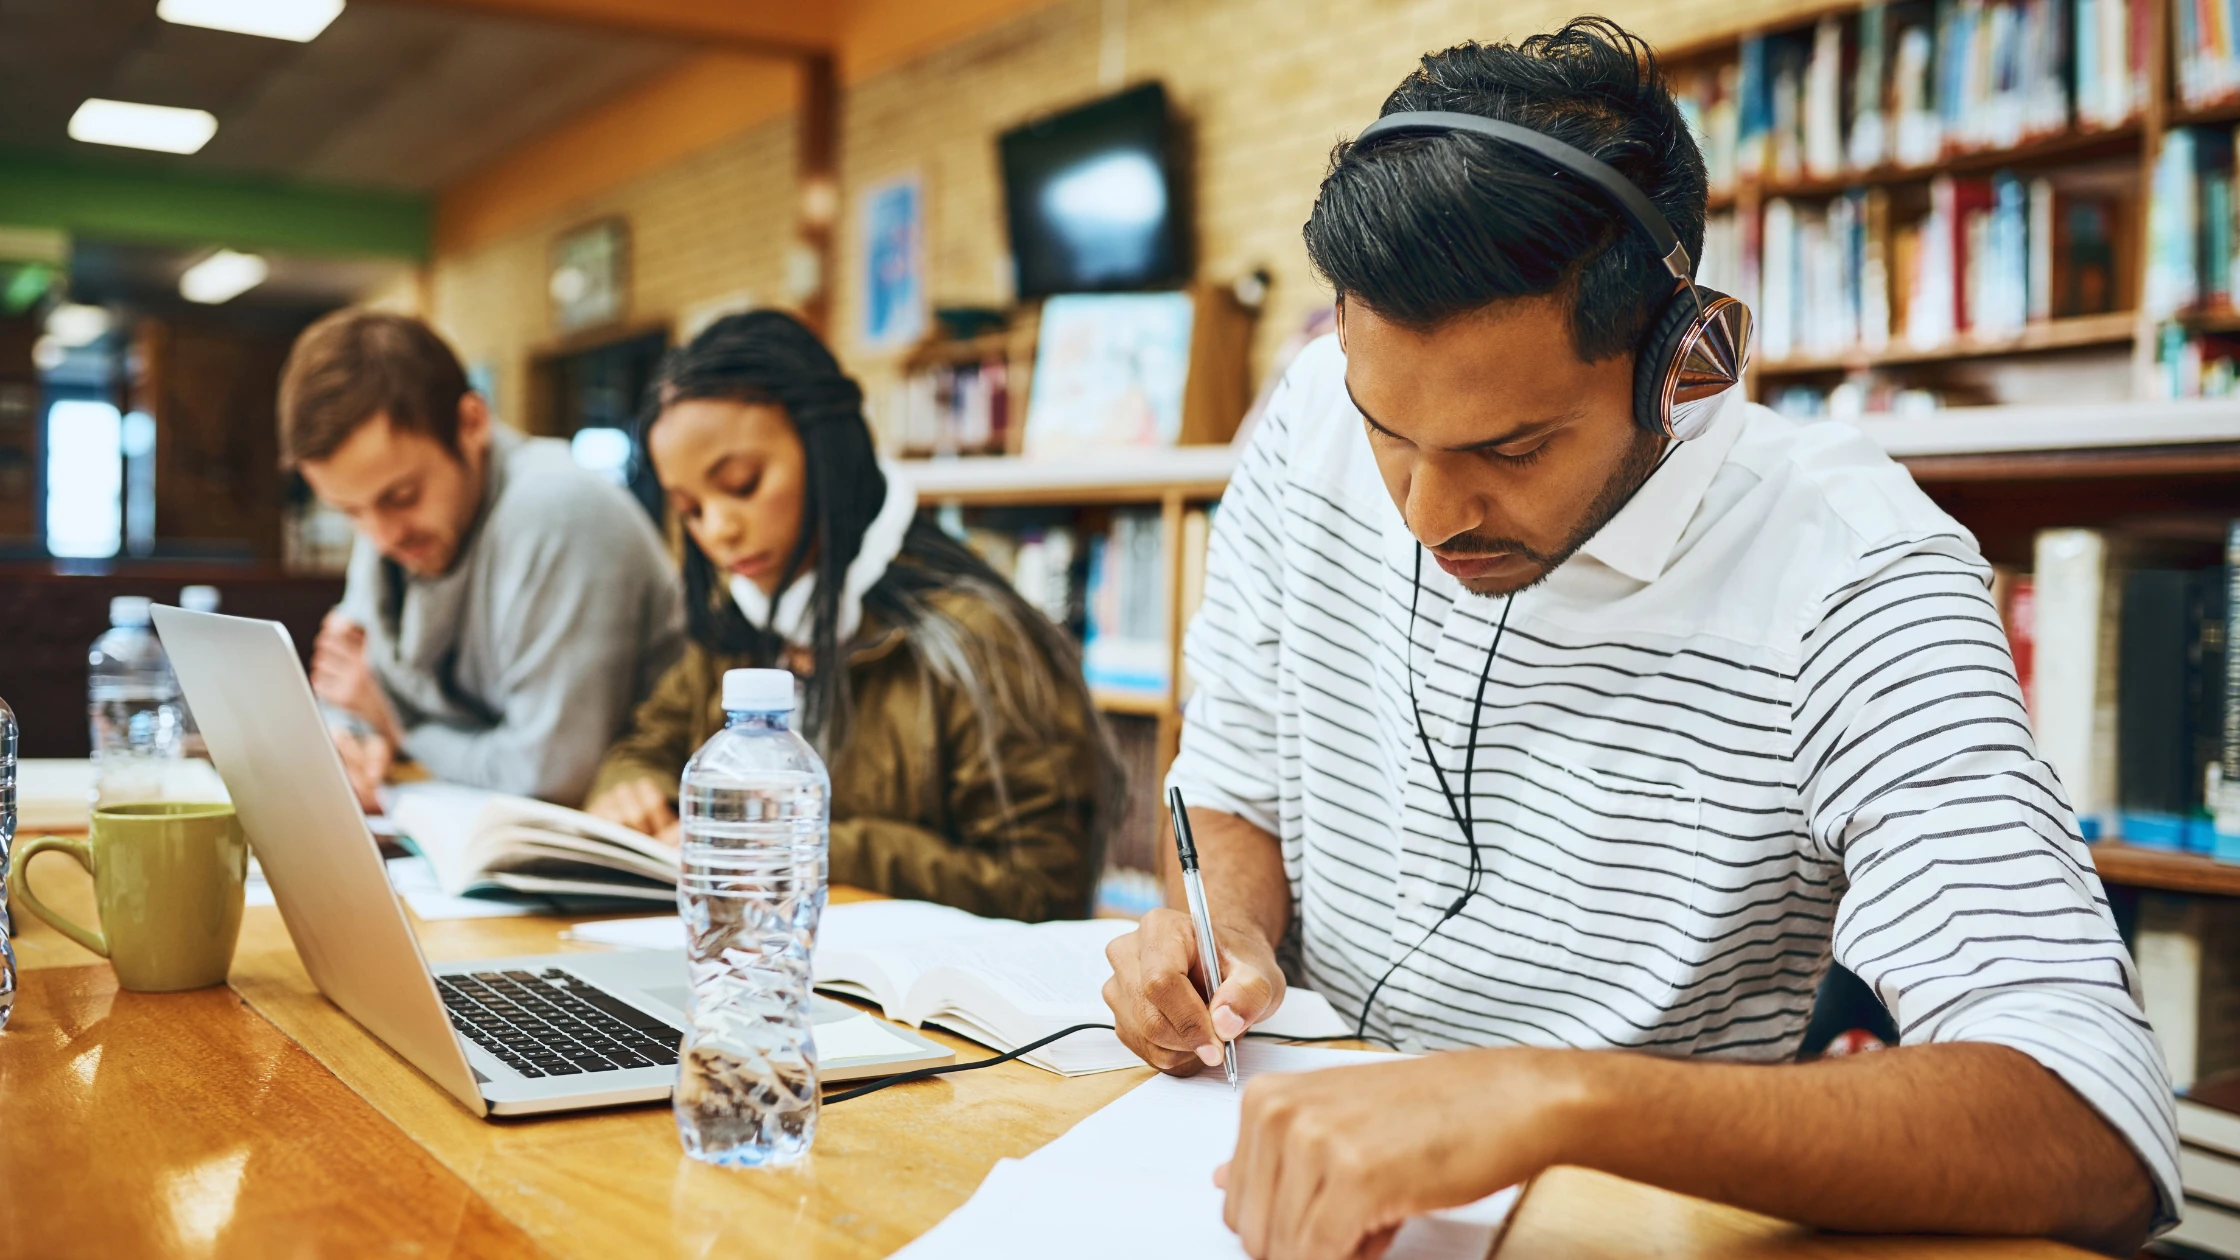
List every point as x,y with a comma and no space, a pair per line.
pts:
259,1120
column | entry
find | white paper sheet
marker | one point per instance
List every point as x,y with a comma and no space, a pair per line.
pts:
1136,1179
860,1037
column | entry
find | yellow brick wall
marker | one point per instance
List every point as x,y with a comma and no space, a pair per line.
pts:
715,224
1266,87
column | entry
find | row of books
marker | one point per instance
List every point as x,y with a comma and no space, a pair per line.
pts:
955,409
1109,588
2205,51
2133,697
1989,257
1857,399
2193,253
1909,83
2195,364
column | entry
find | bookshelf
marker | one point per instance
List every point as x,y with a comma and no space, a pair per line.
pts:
2133,866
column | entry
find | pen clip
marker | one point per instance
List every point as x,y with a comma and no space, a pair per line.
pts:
1185,844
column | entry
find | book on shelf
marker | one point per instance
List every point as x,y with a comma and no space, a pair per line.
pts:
1125,651
2188,953
2077,589
2169,705
2205,61
2209,1164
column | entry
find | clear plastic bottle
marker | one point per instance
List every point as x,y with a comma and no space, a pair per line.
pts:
7,842
756,807
132,700
200,780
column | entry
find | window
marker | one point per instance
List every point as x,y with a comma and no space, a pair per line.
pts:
85,479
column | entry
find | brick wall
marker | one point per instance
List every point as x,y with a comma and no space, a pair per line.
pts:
712,225
1267,86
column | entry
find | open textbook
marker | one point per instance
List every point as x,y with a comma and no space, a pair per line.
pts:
480,842
1136,1179
999,982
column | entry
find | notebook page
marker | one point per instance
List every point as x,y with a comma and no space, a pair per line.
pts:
1136,1179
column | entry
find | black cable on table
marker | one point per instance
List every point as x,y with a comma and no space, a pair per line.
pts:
904,1078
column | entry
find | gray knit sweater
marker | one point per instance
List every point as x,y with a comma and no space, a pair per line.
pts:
514,670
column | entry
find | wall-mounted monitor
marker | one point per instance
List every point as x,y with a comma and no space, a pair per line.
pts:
1093,198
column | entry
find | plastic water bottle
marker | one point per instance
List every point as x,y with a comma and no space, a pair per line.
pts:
7,841
201,599
756,806
133,702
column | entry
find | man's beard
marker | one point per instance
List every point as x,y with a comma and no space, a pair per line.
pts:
1640,461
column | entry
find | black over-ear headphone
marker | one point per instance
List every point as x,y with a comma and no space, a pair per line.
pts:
1697,346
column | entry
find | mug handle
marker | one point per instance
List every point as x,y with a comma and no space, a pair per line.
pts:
19,885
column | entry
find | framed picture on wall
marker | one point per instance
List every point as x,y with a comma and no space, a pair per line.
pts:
590,281
893,263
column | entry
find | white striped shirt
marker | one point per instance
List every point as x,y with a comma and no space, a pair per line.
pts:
1765,715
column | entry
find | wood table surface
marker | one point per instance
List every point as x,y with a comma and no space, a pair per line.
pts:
260,1120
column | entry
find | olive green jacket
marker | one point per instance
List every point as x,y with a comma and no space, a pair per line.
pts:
916,810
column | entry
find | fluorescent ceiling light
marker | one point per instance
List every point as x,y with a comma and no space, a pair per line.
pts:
164,128
222,277
299,20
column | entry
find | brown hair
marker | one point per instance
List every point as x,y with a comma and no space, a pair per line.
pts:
356,364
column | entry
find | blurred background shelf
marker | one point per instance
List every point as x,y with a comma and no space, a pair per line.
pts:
2133,866
2114,328
1106,477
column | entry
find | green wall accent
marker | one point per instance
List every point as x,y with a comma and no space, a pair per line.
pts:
114,202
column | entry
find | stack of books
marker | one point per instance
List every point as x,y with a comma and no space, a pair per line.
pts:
2209,1165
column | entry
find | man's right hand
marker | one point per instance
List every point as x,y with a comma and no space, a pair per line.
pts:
366,758
1156,985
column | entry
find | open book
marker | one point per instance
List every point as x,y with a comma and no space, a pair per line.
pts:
1000,982
480,842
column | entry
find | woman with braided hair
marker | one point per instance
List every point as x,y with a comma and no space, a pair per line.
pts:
968,765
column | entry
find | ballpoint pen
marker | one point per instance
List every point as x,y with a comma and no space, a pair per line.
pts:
1209,956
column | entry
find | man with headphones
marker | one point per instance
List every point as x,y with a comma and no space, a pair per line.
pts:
1688,700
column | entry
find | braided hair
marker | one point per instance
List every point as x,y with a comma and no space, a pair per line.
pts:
768,357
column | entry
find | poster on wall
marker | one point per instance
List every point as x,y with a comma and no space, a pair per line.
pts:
893,263
590,275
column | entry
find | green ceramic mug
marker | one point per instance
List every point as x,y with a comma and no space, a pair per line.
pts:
168,879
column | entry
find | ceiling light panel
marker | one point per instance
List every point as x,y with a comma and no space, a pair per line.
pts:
164,128
222,277
298,20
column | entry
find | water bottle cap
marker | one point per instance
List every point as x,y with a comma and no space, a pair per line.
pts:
128,610
757,691
201,599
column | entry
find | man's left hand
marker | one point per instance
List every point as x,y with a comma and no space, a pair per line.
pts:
1329,1164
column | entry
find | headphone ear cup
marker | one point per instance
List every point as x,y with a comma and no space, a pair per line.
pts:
1652,363
1694,353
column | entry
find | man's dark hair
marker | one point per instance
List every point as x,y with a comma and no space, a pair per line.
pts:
1421,228
356,364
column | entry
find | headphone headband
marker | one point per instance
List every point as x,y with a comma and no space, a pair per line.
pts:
1601,174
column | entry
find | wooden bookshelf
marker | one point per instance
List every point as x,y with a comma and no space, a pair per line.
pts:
1107,478
2075,332
2081,144
2134,866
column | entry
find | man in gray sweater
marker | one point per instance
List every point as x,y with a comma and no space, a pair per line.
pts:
505,609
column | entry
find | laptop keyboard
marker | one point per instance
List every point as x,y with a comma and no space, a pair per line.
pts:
555,1024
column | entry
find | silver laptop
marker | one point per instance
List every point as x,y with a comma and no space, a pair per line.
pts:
507,1036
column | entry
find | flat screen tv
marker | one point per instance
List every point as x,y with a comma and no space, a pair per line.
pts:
1093,200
